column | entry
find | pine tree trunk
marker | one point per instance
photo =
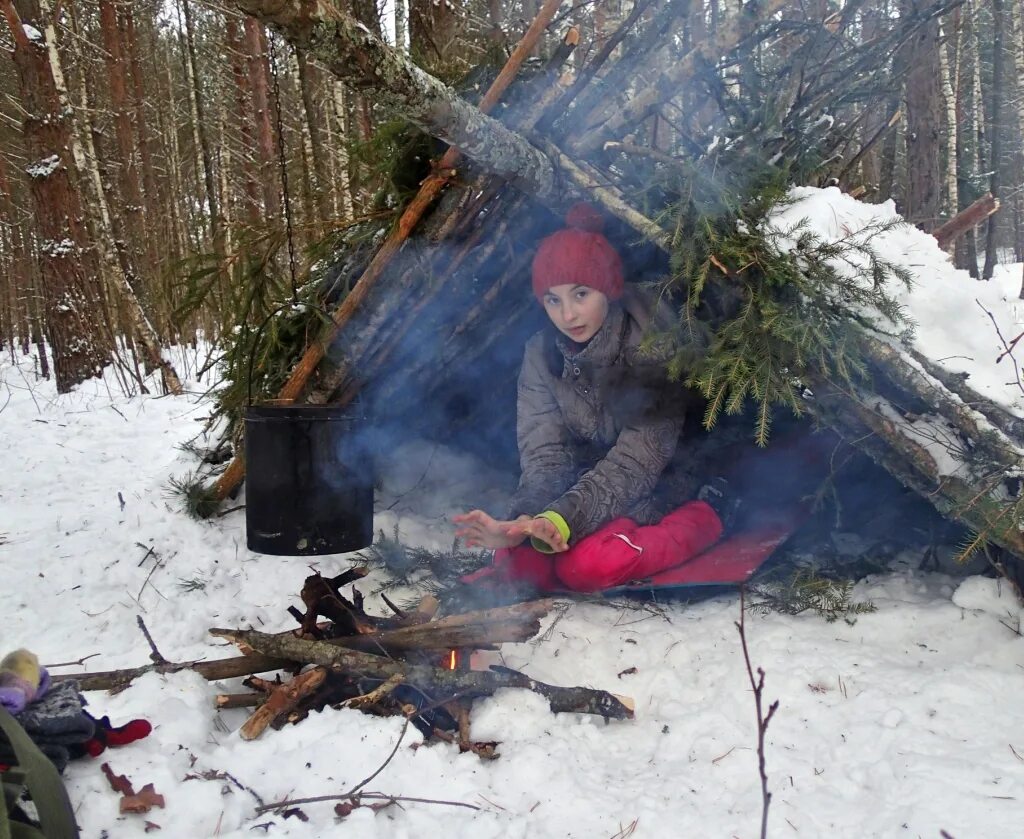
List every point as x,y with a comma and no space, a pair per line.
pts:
243,117
256,58
151,194
17,268
175,177
924,119
114,267
130,203
1018,64
202,130
995,131
309,213
71,283
312,115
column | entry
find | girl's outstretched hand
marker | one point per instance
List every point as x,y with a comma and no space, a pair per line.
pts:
480,530
539,528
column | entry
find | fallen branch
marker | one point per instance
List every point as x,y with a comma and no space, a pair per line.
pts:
966,219
375,796
212,671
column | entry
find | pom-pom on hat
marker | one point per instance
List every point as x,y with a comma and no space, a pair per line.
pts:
578,255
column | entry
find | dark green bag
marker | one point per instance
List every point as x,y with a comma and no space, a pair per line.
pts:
32,771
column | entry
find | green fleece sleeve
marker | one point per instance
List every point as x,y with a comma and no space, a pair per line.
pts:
560,525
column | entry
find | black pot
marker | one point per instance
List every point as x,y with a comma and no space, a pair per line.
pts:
309,481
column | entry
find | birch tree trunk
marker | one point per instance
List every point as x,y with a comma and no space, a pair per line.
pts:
950,82
344,185
73,309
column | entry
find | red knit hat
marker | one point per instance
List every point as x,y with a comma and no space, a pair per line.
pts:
578,255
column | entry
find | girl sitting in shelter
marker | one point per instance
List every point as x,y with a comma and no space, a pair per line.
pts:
594,439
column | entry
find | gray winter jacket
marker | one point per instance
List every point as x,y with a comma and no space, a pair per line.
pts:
597,426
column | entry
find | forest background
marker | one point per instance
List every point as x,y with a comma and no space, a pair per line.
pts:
153,155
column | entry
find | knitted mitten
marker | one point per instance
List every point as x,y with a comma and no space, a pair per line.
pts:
21,680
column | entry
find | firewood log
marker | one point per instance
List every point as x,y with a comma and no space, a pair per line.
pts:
282,700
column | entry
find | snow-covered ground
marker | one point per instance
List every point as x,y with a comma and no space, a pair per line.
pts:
904,723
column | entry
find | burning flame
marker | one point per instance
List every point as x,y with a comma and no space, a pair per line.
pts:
453,659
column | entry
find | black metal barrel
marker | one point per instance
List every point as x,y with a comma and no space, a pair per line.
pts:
309,480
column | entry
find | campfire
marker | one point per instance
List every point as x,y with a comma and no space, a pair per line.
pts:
408,663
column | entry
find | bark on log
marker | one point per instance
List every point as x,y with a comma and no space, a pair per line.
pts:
282,700
966,219
225,668
469,630
560,699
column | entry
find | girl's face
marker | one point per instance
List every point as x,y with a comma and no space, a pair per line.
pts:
577,311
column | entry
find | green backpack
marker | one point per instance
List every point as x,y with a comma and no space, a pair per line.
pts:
32,771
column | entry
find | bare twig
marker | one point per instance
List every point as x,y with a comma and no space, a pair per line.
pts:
156,656
149,552
757,685
1007,347
394,751
79,662
157,564
352,793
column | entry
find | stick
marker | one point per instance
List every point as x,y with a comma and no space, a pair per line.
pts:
224,701
762,718
375,695
429,190
376,796
282,700
155,654
387,760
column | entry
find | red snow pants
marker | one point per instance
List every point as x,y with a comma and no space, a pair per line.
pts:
618,553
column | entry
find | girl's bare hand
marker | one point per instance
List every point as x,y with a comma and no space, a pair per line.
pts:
480,530
539,528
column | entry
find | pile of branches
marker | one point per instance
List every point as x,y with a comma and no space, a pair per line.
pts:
409,663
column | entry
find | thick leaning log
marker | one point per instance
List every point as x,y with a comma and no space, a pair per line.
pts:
964,478
478,683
